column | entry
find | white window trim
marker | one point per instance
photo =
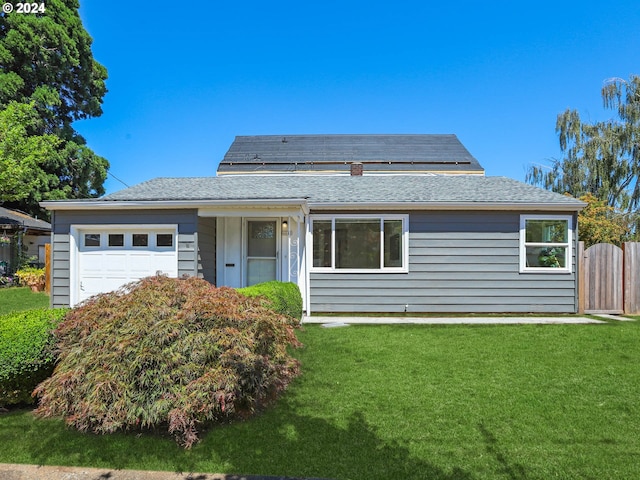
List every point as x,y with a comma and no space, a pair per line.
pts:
568,245
355,216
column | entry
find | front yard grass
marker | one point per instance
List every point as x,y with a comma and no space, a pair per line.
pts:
408,402
15,299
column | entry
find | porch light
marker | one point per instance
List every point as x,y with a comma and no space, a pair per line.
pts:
285,227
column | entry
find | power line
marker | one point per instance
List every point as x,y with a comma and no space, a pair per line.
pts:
116,178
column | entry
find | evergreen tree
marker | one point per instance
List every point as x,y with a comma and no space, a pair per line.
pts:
46,62
22,155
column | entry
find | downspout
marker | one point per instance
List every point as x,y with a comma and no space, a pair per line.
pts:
307,247
51,265
576,265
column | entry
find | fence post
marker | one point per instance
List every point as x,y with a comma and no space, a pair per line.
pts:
581,277
47,268
631,278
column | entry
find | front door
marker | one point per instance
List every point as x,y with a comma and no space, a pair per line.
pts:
262,251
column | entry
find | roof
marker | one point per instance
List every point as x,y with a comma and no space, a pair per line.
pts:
16,219
315,154
335,191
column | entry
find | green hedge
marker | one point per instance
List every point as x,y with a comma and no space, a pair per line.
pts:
26,352
283,297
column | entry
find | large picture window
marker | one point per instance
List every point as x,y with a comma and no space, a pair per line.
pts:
360,243
545,243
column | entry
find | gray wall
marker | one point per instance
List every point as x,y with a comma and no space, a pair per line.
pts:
187,221
458,262
207,249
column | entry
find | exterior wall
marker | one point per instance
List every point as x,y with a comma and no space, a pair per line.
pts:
60,270
207,249
9,252
187,221
33,243
458,262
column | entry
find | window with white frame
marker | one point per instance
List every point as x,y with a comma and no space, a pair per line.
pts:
545,243
354,243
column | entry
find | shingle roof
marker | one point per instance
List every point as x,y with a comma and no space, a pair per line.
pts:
334,153
323,190
17,219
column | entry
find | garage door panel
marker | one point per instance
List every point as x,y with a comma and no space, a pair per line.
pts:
116,266
167,264
103,269
93,285
140,262
92,262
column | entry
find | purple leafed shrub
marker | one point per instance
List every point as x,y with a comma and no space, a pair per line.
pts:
167,353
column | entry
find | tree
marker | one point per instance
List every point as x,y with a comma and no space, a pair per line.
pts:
601,158
46,62
22,156
601,223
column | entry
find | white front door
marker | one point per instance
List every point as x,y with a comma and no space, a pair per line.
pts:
262,251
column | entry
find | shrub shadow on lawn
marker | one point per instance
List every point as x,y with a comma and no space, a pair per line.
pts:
51,442
513,471
278,443
304,446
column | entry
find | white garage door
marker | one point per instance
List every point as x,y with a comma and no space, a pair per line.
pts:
108,259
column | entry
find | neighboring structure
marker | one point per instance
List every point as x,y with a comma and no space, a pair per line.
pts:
362,223
19,231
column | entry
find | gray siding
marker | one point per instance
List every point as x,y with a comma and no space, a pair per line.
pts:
60,270
458,262
207,249
187,221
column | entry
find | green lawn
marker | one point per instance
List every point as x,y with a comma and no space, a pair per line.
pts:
409,402
21,298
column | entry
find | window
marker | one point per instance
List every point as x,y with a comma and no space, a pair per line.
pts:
164,240
545,243
116,240
322,243
91,239
360,243
140,240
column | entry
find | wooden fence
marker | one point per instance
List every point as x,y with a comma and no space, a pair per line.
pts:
47,268
609,278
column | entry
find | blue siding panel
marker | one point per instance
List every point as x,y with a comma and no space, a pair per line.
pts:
459,262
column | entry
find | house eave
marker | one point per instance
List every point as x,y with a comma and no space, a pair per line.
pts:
173,204
476,206
306,206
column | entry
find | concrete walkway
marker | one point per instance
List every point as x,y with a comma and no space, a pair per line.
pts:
10,471
511,320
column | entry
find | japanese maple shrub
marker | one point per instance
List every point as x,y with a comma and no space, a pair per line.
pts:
167,353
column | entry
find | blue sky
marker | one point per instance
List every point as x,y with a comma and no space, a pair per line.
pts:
186,77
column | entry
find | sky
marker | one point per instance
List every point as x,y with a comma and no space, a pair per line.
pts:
186,77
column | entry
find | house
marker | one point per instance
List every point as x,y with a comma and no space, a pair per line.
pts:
361,223
20,232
